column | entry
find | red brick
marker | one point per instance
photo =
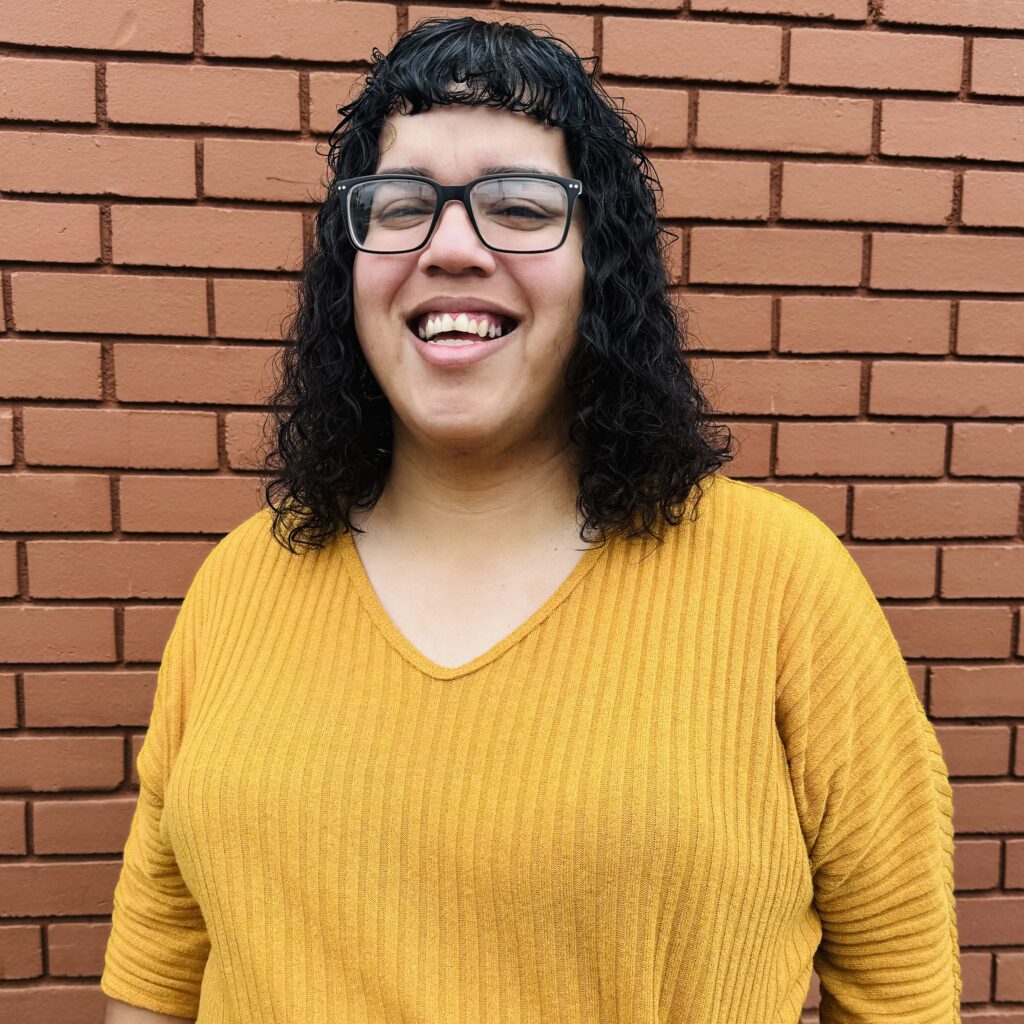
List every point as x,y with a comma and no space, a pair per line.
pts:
865,193
753,448
146,629
989,807
852,323
188,504
50,369
8,690
132,438
997,67
8,580
849,10
243,436
114,165
722,255
207,236
329,90
987,449
21,951
733,323
969,13
252,307
827,501
975,749
983,570
786,387
916,510
977,691
664,113
672,254
947,262
197,94
50,763
706,50
785,123
895,570
77,948
1009,984
42,1004
723,189
47,90
990,328
96,699
324,31
994,199
49,232
660,5
45,502
108,303
82,825
576,29
950,631
57,889
980,131
266,170
100,25
946,388
976,867
6,437
113,568
222,374
1015,863
12,830
855,59
47,635
861,449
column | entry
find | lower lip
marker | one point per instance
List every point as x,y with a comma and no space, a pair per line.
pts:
458,355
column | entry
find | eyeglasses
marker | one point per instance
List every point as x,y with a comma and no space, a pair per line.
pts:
391,213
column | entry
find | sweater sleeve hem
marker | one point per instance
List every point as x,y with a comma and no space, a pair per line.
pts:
145,998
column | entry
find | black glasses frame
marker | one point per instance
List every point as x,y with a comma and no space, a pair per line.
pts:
458,193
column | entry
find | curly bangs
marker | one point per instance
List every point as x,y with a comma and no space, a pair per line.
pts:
641,429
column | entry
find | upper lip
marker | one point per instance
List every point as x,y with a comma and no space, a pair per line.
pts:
459,304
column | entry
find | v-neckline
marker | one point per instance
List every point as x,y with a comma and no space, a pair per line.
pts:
397,639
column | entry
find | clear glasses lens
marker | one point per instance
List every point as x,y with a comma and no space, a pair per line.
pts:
520,214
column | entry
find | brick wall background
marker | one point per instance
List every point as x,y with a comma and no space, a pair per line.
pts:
847,181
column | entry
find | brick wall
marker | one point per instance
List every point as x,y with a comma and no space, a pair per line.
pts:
847,181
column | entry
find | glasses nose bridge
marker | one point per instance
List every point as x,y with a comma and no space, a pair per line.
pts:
460,197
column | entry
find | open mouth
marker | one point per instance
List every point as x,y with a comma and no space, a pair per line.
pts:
467,328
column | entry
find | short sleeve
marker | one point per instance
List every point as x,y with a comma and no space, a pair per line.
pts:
873,795
158,945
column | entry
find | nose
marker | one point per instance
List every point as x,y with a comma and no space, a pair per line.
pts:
454,242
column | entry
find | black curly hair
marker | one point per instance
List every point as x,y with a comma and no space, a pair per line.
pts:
641,427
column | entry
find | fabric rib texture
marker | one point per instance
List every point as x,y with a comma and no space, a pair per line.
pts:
697,770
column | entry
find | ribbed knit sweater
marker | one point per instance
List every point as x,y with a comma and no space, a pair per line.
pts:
695,771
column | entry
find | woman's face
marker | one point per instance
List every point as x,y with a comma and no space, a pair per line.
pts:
512,393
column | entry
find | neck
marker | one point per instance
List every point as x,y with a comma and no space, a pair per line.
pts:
468,506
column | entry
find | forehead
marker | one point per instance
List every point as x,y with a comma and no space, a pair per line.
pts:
471,137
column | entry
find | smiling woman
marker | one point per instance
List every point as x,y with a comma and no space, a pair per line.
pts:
444,764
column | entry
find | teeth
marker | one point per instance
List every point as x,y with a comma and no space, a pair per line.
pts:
446,323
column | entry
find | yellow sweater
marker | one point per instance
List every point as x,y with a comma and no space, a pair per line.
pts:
695,771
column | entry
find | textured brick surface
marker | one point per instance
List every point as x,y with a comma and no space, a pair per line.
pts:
845,181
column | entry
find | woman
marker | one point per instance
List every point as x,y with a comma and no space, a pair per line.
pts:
445,764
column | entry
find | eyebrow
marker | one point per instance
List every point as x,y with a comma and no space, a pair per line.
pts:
496,169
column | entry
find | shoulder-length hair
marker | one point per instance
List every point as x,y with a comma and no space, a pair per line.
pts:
641,430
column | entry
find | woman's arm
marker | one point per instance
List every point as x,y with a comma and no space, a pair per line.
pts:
119,1012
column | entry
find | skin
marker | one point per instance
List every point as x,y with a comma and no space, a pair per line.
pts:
483,472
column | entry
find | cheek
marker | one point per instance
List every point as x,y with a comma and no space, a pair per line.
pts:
374,285
556,286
